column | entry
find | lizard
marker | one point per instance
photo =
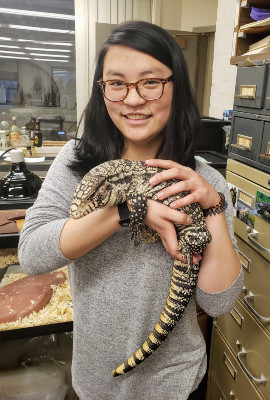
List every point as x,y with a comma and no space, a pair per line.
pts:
118,181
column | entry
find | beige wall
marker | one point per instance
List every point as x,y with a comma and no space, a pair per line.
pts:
170,14
224,74
198,13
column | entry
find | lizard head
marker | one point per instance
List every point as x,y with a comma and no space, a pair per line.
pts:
91,193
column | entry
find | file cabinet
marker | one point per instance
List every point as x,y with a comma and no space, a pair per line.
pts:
239,365
250,128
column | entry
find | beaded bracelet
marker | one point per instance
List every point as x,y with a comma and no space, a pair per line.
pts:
218,208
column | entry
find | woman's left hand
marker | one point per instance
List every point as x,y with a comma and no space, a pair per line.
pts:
200,190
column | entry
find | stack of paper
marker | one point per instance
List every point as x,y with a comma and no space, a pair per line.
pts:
256,27
262,46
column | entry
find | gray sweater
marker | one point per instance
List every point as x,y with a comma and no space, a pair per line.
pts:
119,291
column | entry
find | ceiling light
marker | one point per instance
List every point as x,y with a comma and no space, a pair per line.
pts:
43,49
36,13
48,55
50,43
41,59
19,58
12,52
9,47
5,38
35,28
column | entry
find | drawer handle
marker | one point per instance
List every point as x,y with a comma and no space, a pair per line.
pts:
267,156
244,96
250,296
241,147
255,234
241,354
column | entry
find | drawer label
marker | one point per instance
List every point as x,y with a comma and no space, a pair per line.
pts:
245,262
267,152
246,198
229,366
262,206
237,317
243,142
247,92
246,208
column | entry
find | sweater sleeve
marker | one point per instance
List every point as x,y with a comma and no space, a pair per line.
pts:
215,304
39,245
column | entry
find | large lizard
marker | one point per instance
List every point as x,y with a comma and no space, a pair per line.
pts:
117,181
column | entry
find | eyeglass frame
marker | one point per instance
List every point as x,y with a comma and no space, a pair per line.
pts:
164,81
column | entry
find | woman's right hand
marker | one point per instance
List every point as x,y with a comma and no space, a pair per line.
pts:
161,219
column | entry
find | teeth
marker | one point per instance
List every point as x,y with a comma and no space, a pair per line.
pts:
136,116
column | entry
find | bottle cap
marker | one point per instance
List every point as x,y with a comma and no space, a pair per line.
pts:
17,155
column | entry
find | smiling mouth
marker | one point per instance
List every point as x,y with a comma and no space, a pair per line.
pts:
137,116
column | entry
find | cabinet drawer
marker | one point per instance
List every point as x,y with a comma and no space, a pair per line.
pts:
265,146
256,295
229,375
250,344
246,136
215,393
246,192
250,86
267,92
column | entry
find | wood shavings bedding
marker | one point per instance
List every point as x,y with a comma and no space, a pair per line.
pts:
59,309
8,257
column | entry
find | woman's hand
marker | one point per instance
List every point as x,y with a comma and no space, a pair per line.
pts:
200,190
161,218
220,264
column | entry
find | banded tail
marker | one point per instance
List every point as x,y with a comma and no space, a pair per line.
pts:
183,283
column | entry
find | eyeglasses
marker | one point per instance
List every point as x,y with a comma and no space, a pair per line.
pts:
148,88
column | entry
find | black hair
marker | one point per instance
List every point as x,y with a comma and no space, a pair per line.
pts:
102,141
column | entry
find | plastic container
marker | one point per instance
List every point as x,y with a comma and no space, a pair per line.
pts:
46,382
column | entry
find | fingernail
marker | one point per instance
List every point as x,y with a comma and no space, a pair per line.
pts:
189,220
173,205
152,181
160,195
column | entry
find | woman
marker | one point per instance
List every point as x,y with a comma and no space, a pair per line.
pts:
118,289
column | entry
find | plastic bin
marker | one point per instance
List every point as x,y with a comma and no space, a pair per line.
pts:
34,383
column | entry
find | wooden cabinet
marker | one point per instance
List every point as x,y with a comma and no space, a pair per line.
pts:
243,38
239,365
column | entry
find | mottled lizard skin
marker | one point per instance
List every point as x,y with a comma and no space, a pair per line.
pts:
117,181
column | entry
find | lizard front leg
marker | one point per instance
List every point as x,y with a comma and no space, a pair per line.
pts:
138,203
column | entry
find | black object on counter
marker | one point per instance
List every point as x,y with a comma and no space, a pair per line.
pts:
213,135
20,183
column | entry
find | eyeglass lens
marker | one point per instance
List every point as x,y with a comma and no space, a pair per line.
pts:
149,89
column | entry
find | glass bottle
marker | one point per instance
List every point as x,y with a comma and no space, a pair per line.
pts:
25,142
4,127
20,183
31,135
14,133
3,143
38,135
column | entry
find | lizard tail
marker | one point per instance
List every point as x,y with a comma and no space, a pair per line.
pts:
183,283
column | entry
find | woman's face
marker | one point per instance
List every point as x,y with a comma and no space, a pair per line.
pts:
141,121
